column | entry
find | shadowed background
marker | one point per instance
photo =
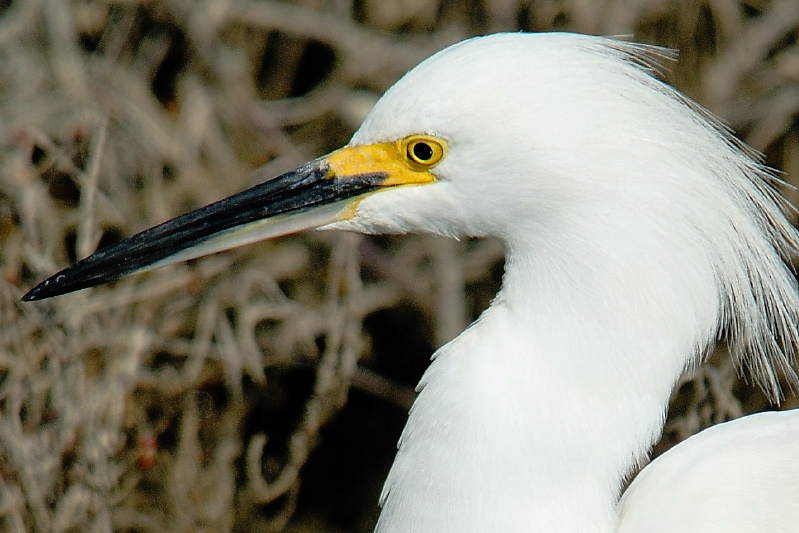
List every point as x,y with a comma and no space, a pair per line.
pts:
264,389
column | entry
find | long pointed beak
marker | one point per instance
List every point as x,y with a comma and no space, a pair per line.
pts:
308,197
323,191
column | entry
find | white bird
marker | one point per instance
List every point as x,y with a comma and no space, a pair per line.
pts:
637,233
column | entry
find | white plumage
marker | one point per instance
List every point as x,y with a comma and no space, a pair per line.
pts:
734,477
637,233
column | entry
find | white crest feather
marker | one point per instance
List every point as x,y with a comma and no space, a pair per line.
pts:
761,313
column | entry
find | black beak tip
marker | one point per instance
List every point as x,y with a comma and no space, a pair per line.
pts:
34,294
30,296
46,289
70,279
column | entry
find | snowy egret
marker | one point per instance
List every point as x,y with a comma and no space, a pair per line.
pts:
637,233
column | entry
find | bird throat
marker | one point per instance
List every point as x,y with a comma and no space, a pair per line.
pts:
534,417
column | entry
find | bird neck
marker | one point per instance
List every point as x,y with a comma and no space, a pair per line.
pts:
533,417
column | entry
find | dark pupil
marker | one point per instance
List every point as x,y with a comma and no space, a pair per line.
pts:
422,151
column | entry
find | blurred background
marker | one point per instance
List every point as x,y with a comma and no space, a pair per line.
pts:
264,389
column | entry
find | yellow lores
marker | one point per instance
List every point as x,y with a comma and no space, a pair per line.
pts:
407,161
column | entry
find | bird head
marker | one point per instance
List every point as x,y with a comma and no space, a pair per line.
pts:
450,149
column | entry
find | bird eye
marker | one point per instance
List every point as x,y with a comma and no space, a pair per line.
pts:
424,151
421,152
